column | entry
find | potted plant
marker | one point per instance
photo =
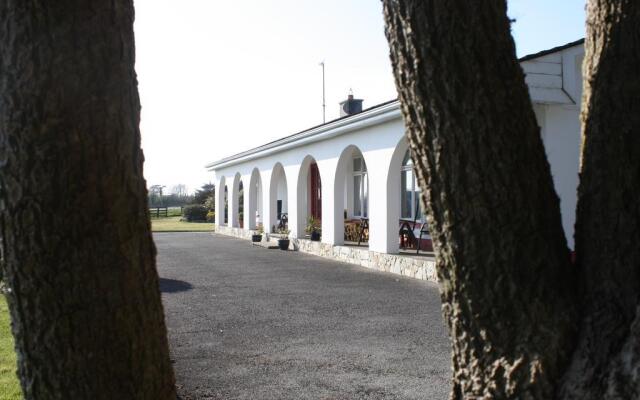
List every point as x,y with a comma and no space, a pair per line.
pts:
313,229
283,242
257,237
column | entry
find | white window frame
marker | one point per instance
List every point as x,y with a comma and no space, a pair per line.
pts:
363,194
415,195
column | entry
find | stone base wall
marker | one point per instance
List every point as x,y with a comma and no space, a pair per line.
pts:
235,232
420,268
414,267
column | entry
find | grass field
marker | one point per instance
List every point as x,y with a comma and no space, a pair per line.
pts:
173,224
9,386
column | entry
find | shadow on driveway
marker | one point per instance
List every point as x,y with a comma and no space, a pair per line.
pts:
174,285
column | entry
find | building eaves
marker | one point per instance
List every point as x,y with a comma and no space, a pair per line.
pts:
552,50
289,138
303,133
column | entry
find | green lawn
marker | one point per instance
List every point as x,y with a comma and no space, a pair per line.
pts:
9,386
173,224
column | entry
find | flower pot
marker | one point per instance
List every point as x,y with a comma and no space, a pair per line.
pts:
256,238
283,244
315,236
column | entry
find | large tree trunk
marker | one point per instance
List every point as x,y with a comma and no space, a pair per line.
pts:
506,280
606,364
508,290
76,247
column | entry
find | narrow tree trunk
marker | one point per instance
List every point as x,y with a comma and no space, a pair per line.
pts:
606,364
75,238
503,264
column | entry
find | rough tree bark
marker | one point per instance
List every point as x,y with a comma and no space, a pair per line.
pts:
606,364
514,304
75,241
502,259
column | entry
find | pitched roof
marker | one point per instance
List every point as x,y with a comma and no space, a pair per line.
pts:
300,133
552,50
292,136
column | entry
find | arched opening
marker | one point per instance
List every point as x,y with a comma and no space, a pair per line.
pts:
278,206
352,198
240,205
220,195
403,187
309,193
226,204
410,207
255,200
236,207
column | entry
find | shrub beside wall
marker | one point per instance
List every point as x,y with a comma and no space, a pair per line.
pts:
195,212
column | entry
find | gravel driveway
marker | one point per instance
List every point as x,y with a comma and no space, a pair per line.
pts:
249,323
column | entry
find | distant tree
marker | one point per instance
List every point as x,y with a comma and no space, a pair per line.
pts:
157,189
156,197
210,203
201,195
180,190
75,241
179,196
524,322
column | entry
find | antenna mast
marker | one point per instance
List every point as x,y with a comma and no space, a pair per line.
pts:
323,97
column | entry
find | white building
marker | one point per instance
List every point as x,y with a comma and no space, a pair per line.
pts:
357,167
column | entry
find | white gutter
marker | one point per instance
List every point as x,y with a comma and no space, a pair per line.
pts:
362,120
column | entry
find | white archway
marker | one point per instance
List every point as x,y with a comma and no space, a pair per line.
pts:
404,202
254,193
351,191
278,197
221,198
233,202
394,194
309,193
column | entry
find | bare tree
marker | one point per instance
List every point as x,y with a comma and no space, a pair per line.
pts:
156,195
76,247
180,190
524,322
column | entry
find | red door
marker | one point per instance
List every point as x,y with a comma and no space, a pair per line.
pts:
315,192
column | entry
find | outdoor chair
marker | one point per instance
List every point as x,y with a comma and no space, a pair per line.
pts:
407,229
284,220
363,231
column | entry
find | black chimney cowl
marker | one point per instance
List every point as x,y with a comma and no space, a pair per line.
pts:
350,106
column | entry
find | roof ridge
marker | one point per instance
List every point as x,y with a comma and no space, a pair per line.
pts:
249,151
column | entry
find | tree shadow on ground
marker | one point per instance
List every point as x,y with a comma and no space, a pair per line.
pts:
174,285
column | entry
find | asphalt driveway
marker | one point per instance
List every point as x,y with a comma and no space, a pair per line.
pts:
250,323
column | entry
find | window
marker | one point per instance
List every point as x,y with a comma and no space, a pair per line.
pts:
360,188
410,191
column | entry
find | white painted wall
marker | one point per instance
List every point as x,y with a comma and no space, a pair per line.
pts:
560,129
554,83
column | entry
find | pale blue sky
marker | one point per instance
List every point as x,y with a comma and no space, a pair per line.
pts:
220,77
